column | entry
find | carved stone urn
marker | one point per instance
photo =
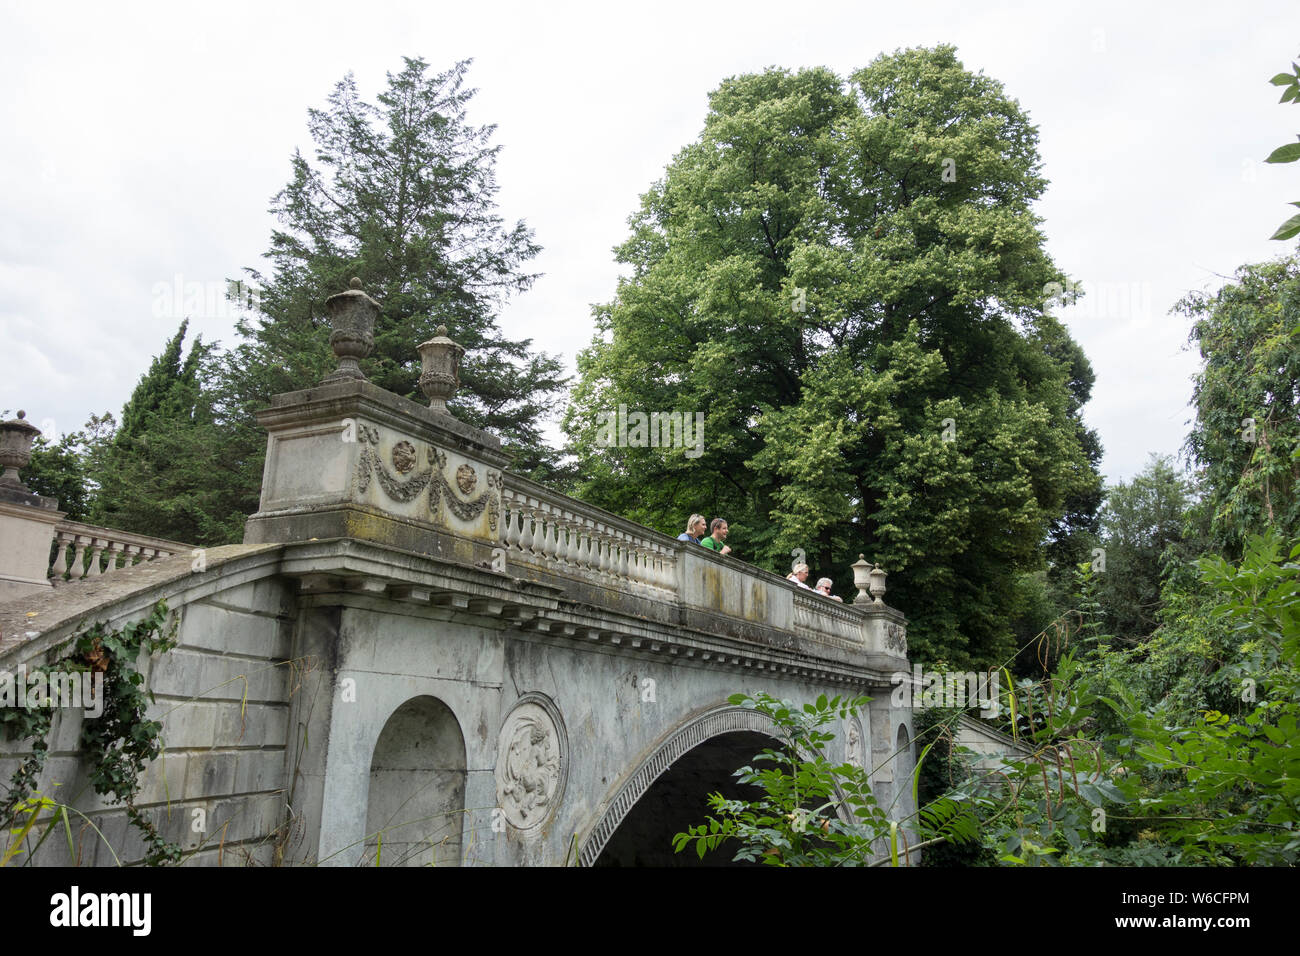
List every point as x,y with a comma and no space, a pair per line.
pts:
878,583
861,578
352,317
440,369
16,436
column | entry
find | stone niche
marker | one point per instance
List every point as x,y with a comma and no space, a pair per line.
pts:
348,459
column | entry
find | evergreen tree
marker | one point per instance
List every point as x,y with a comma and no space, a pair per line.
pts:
156,475
401,195
848,280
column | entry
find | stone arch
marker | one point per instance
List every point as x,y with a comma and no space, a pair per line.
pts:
416,801
687,737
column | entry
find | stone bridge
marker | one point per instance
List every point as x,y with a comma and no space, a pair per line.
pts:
418,657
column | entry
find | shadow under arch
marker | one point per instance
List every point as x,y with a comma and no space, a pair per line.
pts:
416,798
697,758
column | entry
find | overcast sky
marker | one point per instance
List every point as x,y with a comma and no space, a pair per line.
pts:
143,144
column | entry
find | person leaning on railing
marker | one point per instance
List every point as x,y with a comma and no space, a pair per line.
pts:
717,535
694,529
824,588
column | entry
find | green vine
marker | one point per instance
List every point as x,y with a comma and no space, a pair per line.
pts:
117,744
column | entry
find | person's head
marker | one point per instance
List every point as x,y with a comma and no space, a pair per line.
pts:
800,571
718,529
696,525
824,585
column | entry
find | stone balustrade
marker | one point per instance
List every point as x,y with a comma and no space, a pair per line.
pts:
570,538
107,548
561,536
820,618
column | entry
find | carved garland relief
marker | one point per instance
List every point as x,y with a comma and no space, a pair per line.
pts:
434,478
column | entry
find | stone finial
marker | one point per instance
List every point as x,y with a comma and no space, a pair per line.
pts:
440,369
16,436
352,317
878,583
861,579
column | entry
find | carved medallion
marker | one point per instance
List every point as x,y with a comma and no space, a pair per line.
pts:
403,456
530,767
895,638
466,479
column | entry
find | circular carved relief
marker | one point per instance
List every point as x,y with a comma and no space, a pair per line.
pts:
466,478
531,767
403,456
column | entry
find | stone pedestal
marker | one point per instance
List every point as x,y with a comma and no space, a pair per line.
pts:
349,459
27,523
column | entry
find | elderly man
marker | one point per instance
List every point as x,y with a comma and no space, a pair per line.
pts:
824,588
694,529
717,534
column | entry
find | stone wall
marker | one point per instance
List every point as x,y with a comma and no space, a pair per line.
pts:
222,696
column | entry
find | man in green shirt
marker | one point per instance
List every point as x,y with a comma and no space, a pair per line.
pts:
717,535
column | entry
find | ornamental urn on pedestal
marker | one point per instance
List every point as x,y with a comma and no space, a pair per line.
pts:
440,369
352,318
16,436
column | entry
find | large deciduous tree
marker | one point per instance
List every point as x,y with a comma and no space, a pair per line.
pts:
847,279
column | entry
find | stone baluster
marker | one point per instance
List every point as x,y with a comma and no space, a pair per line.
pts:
132,555
588,547
572,553
62,541
624,556
526,526
78,570
562,518
603,562
512,527
115,550
666,575
559,542
96,550
551,539
541,529
638,563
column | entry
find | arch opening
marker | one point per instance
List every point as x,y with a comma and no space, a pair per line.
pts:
678,799
415,809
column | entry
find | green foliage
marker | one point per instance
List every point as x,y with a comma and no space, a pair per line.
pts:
1247,401
1141,520
1290,82
940,775
155,476
1235,790
810,276
119,742
813,812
